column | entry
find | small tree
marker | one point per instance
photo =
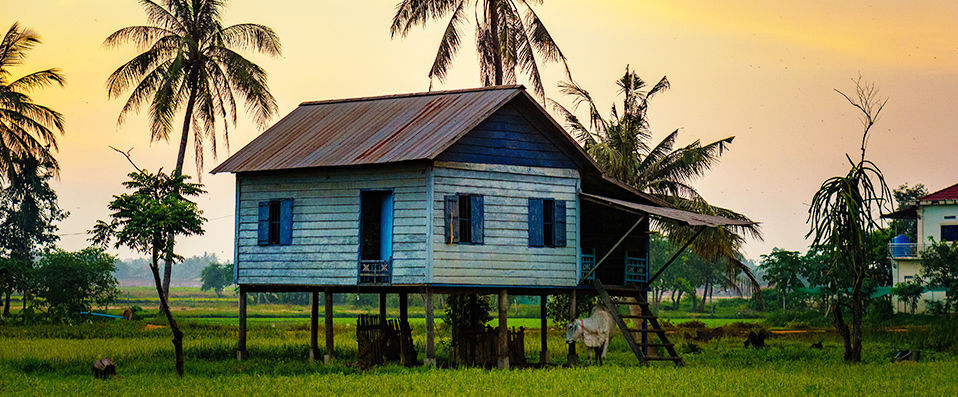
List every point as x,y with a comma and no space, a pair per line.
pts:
147,219
909,292
842,215
216,277
940,267
28,216
70,282
782,269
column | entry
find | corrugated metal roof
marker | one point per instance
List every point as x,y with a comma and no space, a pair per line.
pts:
689,218
371,130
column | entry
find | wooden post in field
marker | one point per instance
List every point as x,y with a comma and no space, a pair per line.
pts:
572,358
382,309
403,326
543,331
314,326
328,307
503,330
241,353
430,337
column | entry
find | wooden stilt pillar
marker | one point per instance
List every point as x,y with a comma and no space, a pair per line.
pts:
241,353
645,328
430,359
503,330
572,358
314,326
543,331
328,318
403,327
382,309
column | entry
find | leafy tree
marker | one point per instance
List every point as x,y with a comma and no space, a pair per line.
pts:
71,282
558,307
782,268
216,277
155,209
28,216
940,268
905,196
27,129
507,41
190,59
621,146
842,215
909,292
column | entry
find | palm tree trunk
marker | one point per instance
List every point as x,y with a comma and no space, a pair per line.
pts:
185,135
492,11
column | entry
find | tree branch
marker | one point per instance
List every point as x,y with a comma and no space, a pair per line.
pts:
128,158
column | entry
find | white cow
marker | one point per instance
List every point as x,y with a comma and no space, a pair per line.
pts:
594,332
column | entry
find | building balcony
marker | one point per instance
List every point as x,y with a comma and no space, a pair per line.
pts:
904,250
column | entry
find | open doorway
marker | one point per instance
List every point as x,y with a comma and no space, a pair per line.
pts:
375,236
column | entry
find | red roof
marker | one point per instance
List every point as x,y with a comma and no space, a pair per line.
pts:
948,193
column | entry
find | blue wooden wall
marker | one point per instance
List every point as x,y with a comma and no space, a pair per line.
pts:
505,257
508,138
325,241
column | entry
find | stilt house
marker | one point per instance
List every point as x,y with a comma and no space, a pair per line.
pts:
475,190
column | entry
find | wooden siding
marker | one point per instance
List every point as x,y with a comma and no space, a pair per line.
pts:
325,244
507,137
505,258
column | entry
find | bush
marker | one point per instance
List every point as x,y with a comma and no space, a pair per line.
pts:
558,307
456,311
692,324
880,310
71,282
798,324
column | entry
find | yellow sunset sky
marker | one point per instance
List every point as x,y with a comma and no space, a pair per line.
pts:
763,71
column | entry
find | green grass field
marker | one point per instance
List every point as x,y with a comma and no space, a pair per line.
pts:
52,359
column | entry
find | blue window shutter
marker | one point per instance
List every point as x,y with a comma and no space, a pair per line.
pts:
476,221
536,236
559,223
262,235
286,222
451,215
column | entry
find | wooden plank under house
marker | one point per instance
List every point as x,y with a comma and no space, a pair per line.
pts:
466,191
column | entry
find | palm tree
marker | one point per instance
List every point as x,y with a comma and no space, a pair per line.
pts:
190,60
506,41
621,147
27,129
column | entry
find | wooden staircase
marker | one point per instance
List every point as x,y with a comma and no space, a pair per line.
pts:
629,333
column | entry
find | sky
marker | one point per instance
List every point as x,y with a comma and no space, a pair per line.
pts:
764,72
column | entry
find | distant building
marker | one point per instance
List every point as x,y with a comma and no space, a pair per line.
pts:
937,218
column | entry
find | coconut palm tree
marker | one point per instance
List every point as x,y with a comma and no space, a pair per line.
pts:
190,62
27,129
506,40
621,146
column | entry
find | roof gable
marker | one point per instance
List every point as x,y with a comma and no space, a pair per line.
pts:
509,137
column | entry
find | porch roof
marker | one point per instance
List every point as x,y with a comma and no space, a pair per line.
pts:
689,218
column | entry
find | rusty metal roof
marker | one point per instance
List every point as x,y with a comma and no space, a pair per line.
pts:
689,218
371,130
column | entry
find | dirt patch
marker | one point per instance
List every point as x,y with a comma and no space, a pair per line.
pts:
150,327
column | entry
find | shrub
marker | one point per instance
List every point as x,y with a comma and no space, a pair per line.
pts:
692,324
71,282
798,324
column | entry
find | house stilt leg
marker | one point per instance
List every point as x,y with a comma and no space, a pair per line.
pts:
572,358
241,353
543,331
430,359
314,326
503,330
328,307
403,322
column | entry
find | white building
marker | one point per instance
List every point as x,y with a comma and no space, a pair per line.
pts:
937,218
